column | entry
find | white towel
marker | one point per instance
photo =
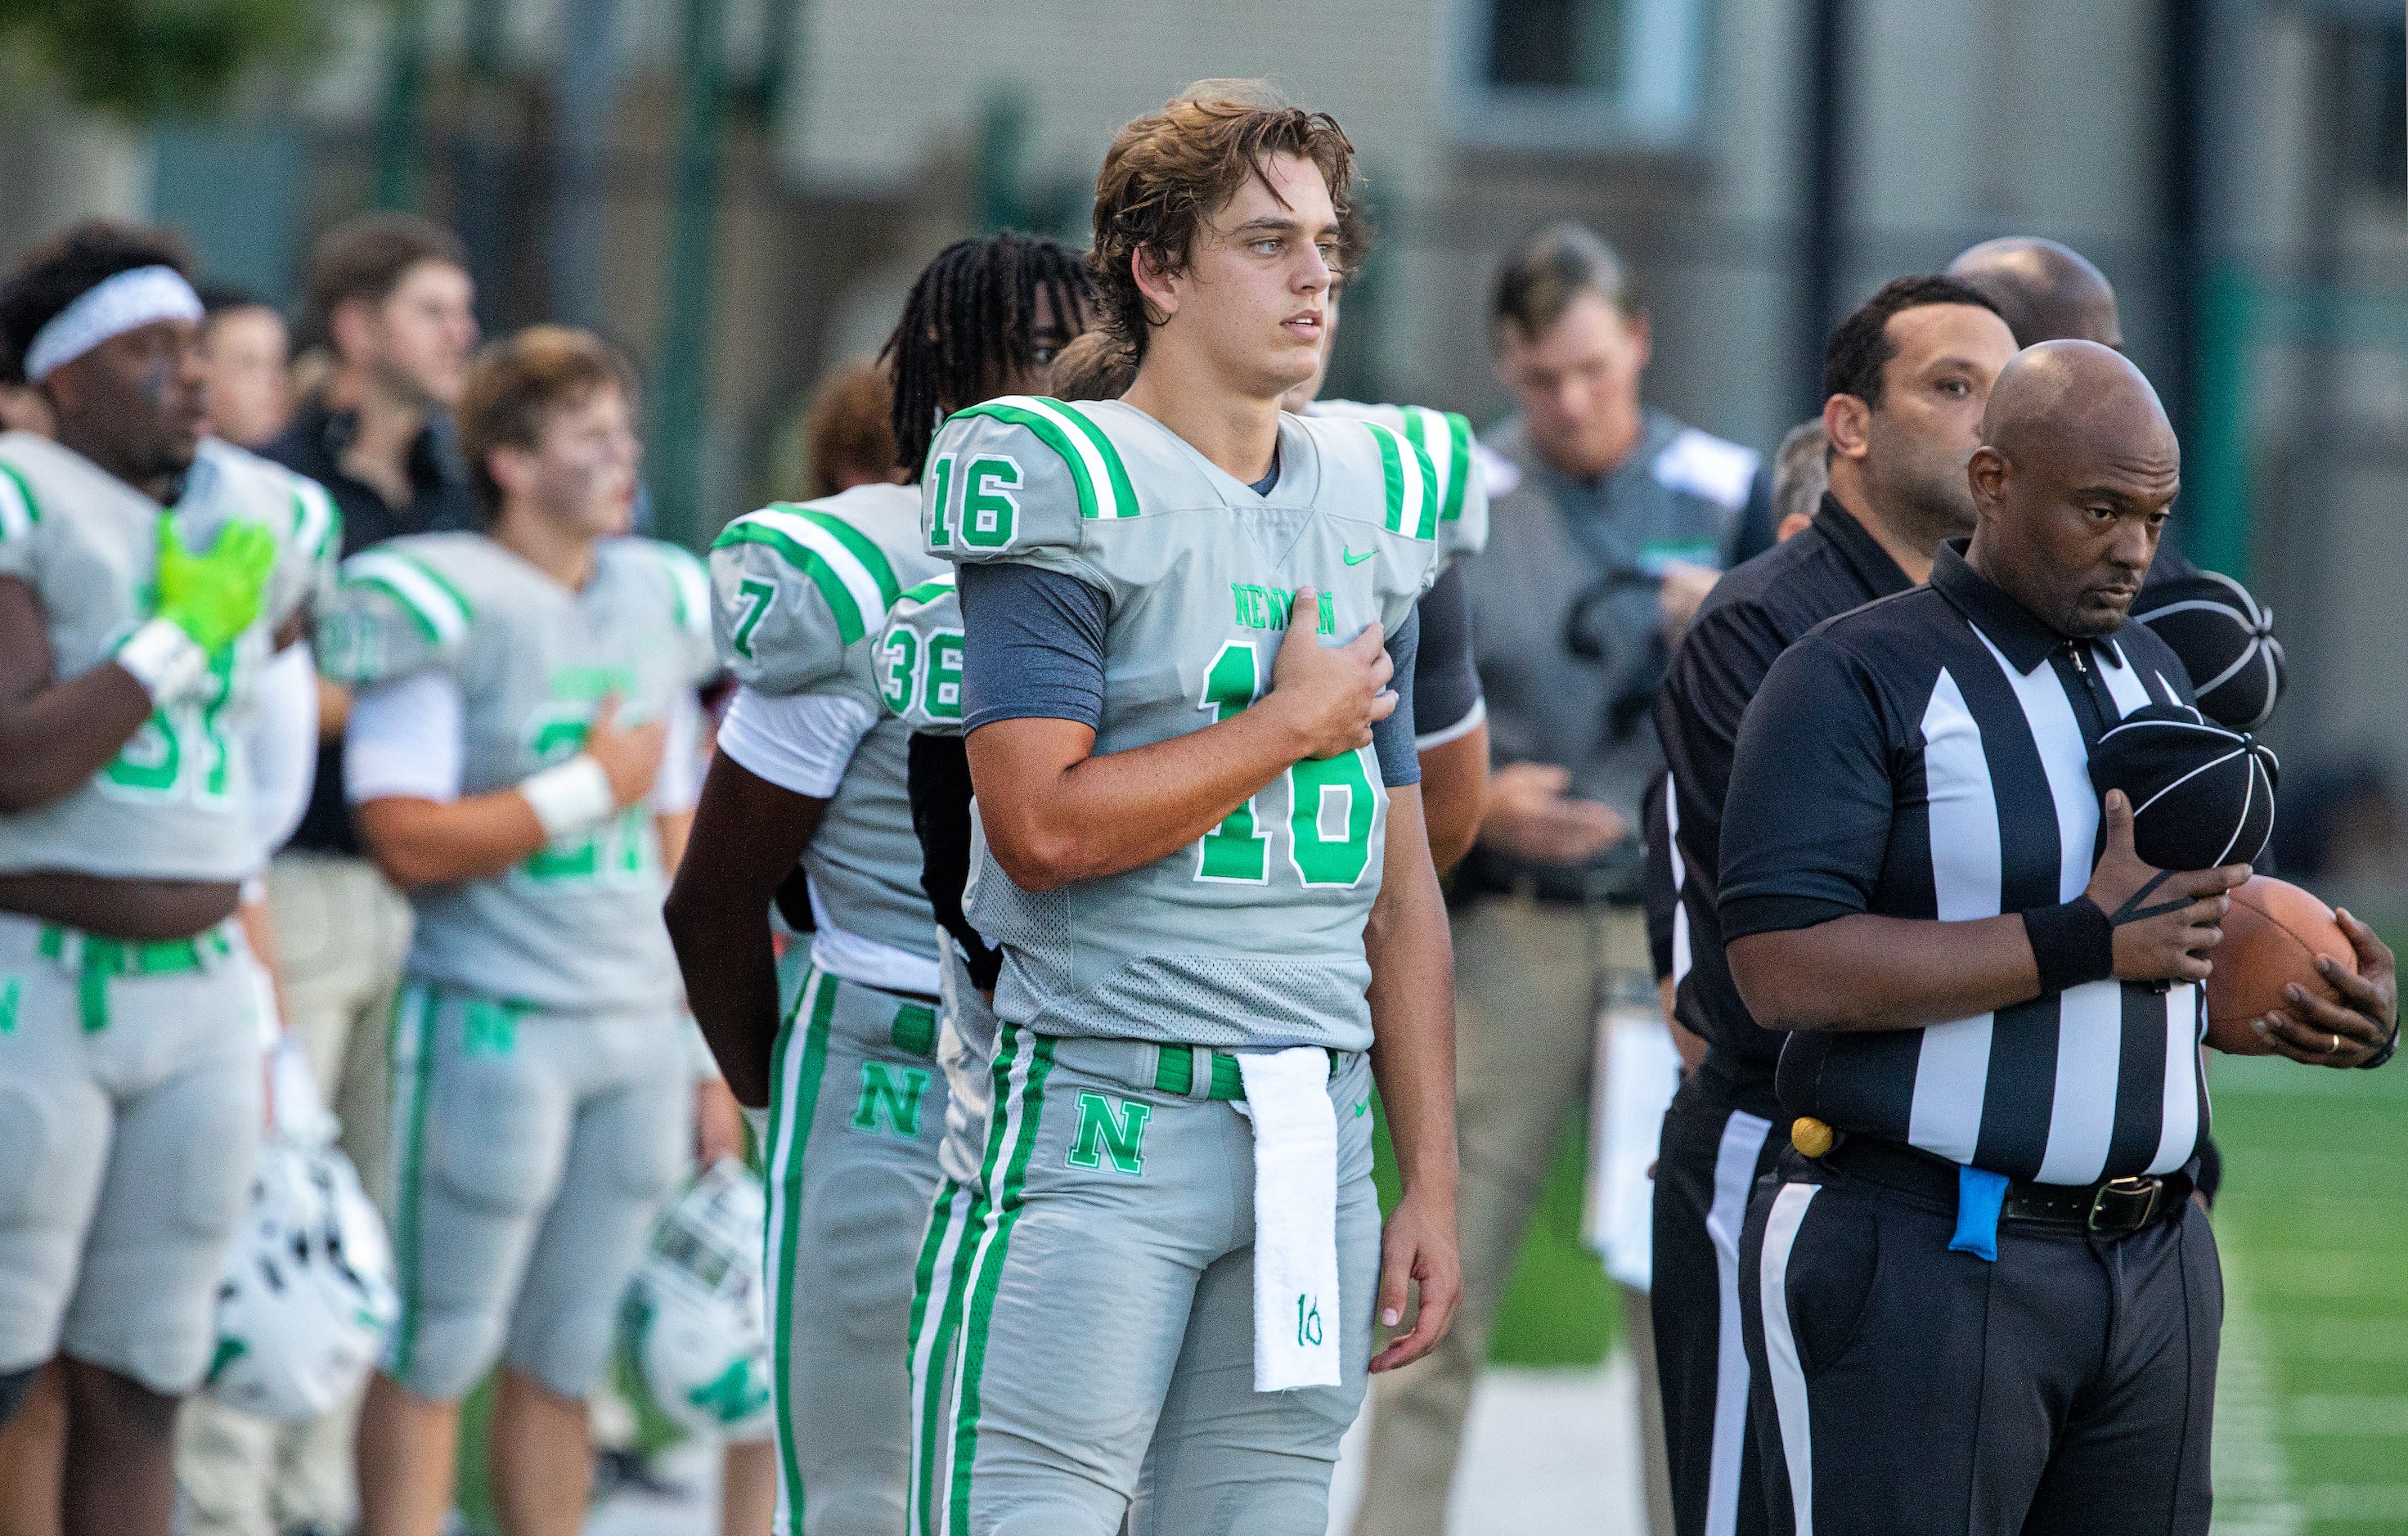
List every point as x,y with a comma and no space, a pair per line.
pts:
1297,1310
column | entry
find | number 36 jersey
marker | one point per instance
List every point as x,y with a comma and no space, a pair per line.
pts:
577,925
1253,936
174,803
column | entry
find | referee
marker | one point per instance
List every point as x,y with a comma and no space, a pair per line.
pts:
1980,1299
1905,378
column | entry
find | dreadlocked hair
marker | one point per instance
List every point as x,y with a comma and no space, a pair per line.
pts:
968,326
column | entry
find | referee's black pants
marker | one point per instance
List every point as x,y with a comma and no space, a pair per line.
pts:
2063,1390
1713,1151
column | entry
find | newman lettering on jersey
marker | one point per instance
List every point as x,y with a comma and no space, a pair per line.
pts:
1266,608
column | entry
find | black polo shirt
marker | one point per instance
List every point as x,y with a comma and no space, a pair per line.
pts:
1751,617
440,502
1927,756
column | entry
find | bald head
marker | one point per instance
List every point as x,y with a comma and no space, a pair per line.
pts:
2072,484
2047,291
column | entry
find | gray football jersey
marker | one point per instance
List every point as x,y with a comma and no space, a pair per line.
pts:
578,926
1446,437
1253,936
800,595
174,804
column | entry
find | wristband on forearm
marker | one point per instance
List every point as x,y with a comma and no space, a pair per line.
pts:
572,797
2072,943
167,662
2386,1051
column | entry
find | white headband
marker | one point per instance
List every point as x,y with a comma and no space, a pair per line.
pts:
108,309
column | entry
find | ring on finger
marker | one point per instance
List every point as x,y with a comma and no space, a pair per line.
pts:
2334,1046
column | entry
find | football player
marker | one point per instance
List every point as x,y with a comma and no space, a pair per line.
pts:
1200,849
811,767
148,574
522,761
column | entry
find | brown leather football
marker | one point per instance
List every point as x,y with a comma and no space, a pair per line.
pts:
2271,938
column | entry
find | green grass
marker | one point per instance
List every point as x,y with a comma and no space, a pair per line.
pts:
2313,1227
1561,1309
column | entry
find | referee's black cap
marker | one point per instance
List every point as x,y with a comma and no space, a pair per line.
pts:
2226,642
2202,794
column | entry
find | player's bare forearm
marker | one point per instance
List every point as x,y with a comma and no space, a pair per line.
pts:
1412,1003
54,736
443,843
747,834
1454,791
1055,810
1868,972
1412,1059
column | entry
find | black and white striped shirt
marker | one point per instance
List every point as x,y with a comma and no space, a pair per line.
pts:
1927,756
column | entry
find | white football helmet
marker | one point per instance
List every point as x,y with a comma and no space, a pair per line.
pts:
306,1295
692,1326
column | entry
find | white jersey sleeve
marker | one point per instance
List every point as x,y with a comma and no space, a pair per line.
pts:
283,746
406,741
800,742
793,589
678,787
392,614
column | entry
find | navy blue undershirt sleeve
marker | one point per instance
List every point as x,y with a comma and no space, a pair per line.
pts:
1393,737
1033,646
1447,680
1806,822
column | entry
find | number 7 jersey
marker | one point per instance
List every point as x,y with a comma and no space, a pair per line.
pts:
1253,936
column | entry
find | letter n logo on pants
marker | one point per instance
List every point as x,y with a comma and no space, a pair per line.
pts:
890,1094
1110,1127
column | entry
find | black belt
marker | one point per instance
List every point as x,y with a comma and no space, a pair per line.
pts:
2111,1205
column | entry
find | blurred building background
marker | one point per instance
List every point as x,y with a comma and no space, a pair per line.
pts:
739,191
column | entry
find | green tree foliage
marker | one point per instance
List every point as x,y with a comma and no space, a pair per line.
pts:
143,59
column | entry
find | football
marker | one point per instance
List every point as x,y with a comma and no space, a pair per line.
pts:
2271,938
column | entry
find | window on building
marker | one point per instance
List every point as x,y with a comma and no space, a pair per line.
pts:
1578,73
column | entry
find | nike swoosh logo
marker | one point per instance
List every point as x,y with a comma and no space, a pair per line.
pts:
1354,559
1362,1108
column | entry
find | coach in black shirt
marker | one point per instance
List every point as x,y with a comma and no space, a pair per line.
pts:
1983,1300
1905,378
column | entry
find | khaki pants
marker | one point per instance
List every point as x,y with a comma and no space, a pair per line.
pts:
1530,980
342,934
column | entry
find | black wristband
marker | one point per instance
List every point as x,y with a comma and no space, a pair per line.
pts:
2074,944
2385,1052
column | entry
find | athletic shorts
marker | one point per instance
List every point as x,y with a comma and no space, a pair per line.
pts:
856,1112
1091,1318
532,1153
130,1111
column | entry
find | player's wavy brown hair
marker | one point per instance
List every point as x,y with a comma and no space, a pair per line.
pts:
515,386
1169,171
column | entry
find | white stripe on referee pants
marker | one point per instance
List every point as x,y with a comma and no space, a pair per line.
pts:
1952,1070
1781,1352
1742,1144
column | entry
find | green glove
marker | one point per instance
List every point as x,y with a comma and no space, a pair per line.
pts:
214,597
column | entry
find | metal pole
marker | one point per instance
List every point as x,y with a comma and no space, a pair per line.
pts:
2182,64
1824,99
398,149
680,420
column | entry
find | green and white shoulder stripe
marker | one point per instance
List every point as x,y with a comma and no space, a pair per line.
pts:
689,586
1412,506
18,512
1104,487
317,525
1446,437
432,602
931,589
846,565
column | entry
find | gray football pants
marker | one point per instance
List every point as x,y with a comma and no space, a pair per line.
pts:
857,1113
1100,1301
1530,978
129,1119
532,1153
